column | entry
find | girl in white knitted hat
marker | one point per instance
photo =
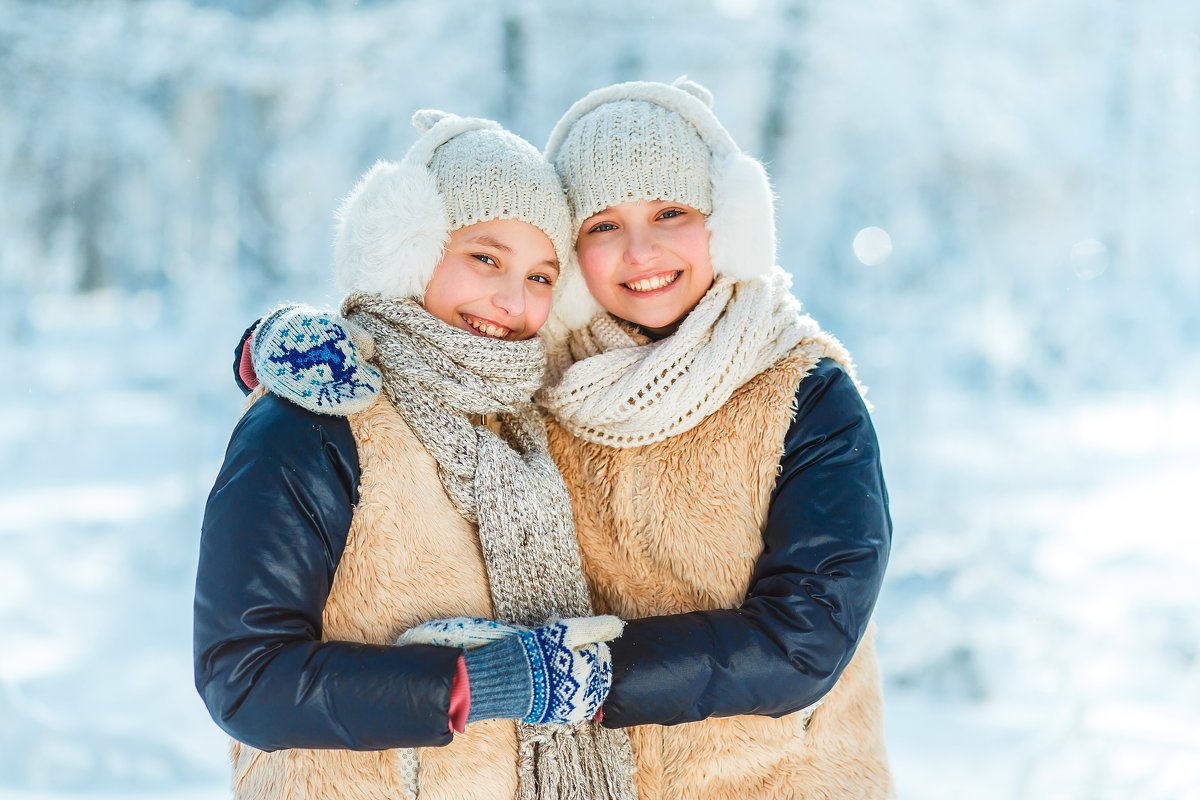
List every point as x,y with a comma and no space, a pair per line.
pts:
723,469
360,539
722,465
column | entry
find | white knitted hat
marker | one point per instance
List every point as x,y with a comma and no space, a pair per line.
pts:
633,150
654,141
394,225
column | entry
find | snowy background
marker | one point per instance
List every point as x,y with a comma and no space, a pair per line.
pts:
996,204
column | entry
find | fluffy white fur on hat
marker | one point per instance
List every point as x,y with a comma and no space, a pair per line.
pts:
392,229
394,225
742,223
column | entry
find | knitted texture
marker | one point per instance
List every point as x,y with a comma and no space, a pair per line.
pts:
612,387
408,769
393,226
564,668
493,174
504,683
303,355
436,376
633,150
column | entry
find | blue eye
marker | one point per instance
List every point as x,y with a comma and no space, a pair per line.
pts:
603,227
669,213
491,262
541,279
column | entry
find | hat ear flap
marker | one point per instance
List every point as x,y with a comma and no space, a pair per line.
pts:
742,224
392,230
573,306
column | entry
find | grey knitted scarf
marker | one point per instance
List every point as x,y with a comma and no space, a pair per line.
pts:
436,376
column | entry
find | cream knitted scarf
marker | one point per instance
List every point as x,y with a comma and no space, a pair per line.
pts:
435,376
610,386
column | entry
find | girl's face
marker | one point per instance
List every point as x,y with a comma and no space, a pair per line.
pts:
494,280
646,261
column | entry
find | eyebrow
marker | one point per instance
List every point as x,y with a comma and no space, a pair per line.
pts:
490,241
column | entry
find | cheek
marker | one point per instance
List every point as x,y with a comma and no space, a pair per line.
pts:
446,288
699,255
537,309
595,266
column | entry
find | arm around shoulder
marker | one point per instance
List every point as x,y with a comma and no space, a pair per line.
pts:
826,544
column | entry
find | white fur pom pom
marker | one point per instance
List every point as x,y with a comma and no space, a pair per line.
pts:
425,118
742,225
573,306
392,229
694,89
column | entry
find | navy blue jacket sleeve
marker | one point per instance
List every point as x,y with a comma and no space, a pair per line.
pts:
827,538
274,530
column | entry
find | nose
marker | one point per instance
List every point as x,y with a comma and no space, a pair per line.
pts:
510,296
640,245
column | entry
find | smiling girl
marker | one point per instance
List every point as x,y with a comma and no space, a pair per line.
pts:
330,540
722,465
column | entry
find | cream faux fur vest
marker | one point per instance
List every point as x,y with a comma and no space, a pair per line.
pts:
409,558
644,518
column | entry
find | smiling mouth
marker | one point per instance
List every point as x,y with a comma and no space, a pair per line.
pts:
653,283
486,327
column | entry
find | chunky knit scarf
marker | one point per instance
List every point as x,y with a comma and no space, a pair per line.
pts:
436,376
611,386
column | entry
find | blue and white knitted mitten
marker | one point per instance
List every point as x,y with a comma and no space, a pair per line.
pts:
315,359
558,674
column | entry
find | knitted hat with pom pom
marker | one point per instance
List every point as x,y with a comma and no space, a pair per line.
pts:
654,141
394,225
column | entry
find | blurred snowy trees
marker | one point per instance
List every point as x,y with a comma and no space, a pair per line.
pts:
1035,168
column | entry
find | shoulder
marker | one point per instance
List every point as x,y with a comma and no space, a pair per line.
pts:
827,401
826,376
271,416
283,431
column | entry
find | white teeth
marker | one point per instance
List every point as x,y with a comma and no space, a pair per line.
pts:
650,284
487,329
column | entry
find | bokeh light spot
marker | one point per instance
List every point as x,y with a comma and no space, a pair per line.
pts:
872,246
1089,259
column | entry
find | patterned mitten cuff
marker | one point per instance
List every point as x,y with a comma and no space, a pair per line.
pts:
316,360
559,673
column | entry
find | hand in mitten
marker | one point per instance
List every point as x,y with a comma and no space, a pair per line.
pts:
465,633
559,673
315,359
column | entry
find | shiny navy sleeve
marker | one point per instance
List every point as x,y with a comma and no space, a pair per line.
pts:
274,530
827,537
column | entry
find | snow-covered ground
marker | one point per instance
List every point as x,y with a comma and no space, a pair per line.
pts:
1039,629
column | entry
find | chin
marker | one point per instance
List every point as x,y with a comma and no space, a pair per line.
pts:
655,321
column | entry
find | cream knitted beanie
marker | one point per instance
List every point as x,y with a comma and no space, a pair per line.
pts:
393,226
654,141
633,150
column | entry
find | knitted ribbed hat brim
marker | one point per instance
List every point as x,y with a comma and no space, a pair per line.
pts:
633,150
